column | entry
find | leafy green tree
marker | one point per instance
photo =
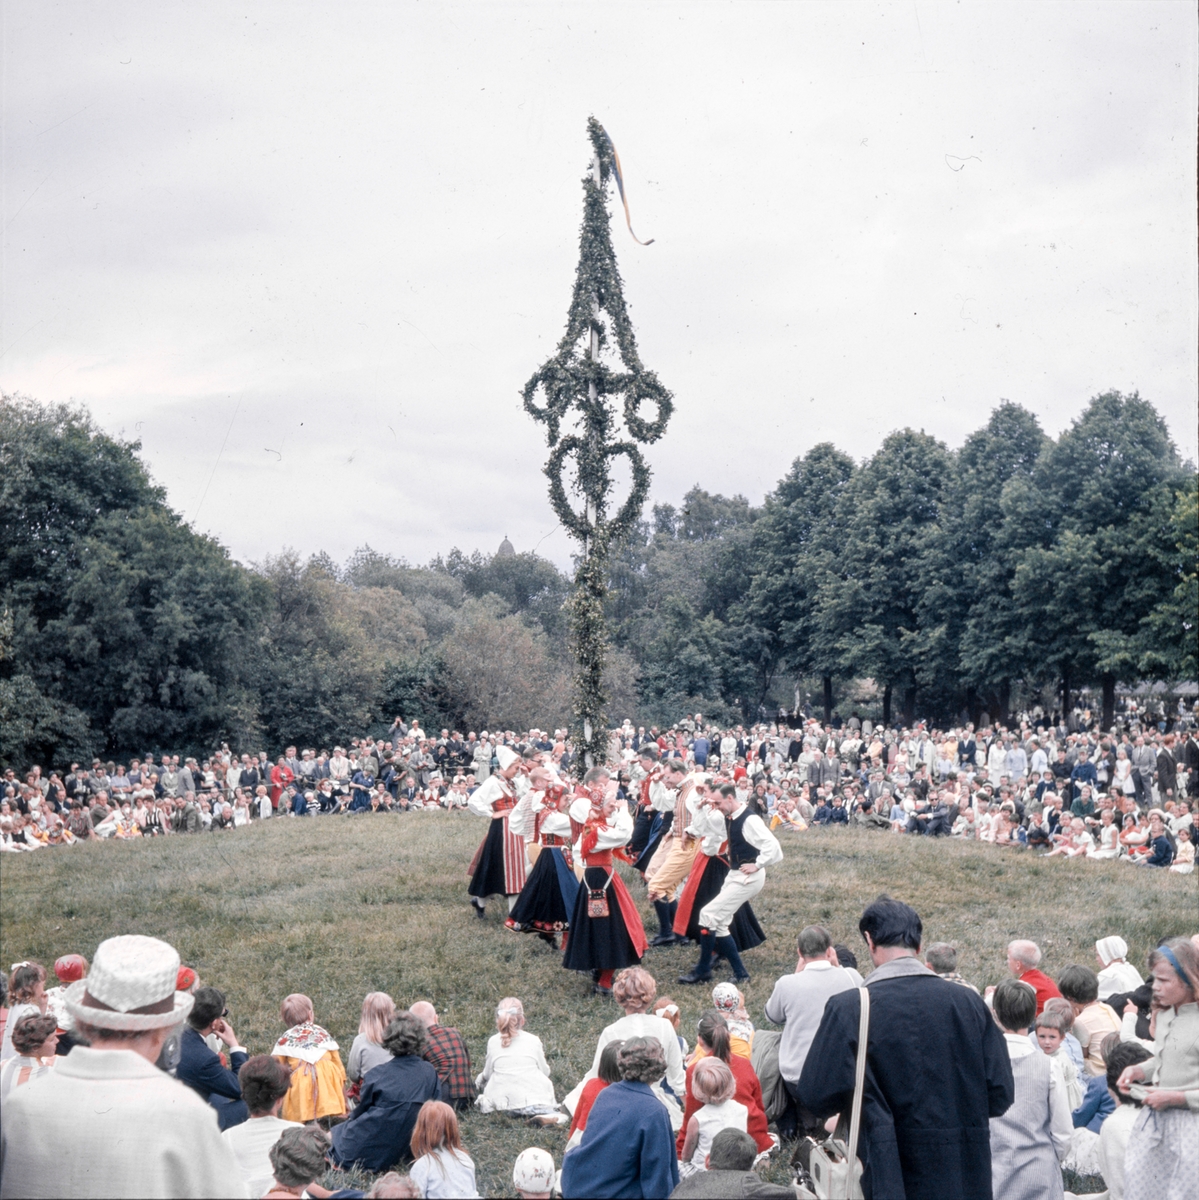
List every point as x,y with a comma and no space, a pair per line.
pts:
530,586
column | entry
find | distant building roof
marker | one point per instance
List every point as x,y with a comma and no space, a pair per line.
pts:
506,549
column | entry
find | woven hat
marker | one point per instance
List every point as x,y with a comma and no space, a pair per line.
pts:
506,757
130,987
533,1170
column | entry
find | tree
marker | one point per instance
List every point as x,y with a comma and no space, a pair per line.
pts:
529,585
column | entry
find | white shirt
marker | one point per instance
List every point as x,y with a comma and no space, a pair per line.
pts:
516,1075
1113,1145
444,1173
482,800
251,1143
616,832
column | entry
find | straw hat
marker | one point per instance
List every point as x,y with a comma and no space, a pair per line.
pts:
130,987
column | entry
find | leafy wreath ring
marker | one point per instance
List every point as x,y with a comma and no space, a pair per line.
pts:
627,515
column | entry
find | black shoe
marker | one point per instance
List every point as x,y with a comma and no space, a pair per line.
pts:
665,939
695,977
480,909
596,990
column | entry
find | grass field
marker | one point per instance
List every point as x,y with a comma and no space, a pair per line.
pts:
341,907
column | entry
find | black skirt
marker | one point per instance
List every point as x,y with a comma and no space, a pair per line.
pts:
655,840
598,943
548,898
743,928
488,879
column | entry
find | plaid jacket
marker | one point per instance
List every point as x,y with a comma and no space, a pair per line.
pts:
448,1053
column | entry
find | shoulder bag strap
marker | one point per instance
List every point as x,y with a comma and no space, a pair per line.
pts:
859,1086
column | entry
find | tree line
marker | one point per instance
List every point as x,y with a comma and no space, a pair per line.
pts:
956,580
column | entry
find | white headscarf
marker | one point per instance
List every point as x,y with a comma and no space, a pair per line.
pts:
1111,948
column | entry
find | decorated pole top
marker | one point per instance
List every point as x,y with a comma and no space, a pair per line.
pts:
577,378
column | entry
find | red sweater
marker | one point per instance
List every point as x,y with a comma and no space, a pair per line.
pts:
591,1089
1045,988
749,1093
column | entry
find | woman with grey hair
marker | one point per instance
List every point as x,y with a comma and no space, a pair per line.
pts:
378,1133
298,1159
628,1146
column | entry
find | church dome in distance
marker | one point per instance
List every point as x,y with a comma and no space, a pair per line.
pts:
506,549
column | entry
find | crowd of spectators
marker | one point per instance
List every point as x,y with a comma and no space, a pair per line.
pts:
1097,1071
1062,787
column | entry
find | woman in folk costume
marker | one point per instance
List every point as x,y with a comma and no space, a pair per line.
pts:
547,900
318,1079
499,865
704,883
606,933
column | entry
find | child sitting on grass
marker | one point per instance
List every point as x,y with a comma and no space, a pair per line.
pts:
712,1082
609,1072
442,1168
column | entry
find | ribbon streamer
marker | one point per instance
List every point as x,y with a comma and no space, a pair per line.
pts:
620,188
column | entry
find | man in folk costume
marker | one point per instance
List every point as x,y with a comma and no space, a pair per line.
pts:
704,883
547,900
658,793
500,864
675,855
752,848
605,928
643,774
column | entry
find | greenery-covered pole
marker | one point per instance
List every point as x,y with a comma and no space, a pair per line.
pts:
577,377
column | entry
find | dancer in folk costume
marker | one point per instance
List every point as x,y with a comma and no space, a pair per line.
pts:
644,772
605,928
658,793
500,864
675,856
751,849
547,900
708,874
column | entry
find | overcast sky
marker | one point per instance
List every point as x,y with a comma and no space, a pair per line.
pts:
309,254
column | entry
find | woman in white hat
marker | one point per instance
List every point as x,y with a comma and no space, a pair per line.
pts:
500,863
70,1134
1116,973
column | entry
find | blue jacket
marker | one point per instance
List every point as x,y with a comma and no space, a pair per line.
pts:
217,1085
627,1149
378,1133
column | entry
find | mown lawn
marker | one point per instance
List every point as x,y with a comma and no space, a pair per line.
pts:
340,907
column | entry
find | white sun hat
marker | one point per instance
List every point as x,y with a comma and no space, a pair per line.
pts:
533,1170
130,987
506,756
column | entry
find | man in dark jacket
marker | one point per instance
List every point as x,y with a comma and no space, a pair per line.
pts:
201,1069
937,1070
729,1173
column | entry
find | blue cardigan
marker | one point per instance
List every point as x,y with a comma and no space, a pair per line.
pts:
627,1150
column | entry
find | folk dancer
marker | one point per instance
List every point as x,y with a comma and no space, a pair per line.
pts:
675,856
547,900
659,793
643,774
500,864
752,848
605,928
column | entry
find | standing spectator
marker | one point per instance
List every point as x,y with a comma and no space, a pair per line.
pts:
446,1049
1028,1140
1093,1021
797,1003
70,1135
937,1069
378,1133
1144,768
1163,1149
1023,960
201,1069
628,1147
264,1082
318,1078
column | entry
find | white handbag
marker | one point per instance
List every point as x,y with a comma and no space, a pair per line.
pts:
834,1166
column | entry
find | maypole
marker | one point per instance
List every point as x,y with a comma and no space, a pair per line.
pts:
577,377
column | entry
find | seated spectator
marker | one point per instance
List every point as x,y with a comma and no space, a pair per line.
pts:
1023,960
1116,973
297,1161
533,1174
1032,1136
712,1036
106,1121
609,1072
1078,843
628,1146
201,1069
26,997
730,1004
942,959
1093,1021
515,1075
378,1133
729,1173
1184,858
264,1082
446,1050
35,1043
367,1049
318,1079
665,1007
634,989
1050,1032
713,1086
1161,851
441,1169
1115,1131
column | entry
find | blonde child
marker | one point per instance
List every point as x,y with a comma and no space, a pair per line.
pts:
1051,1029
442,1168
1184,860
664,1006
711,1082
